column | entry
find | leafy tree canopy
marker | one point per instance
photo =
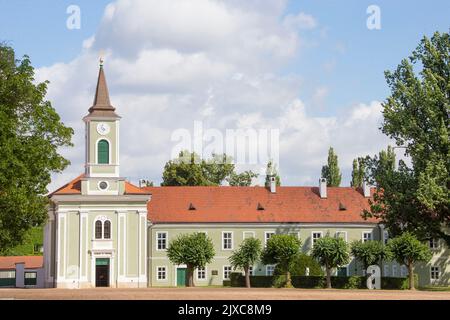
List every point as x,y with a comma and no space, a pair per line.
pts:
369,252
246,256
31,132
331,171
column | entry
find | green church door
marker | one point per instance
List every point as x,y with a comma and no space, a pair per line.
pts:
102,272
181,277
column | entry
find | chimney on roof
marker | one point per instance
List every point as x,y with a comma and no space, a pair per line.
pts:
273,184
323,188
366,189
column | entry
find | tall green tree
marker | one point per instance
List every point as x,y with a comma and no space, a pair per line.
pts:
408,250
243,179
246,256
330,253
358,172
31,133
271,171
369,252
282,249
195,250
331,171
416,116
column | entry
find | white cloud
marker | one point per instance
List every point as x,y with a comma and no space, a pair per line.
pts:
170,63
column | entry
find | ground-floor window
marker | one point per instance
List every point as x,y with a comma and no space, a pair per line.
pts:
386,270
269,270
201,273
394,270
7,278
161,273
30,278
403,271
226,272
250,270
435,273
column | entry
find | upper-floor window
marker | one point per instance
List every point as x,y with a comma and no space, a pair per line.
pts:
103,152
267,236
342,235
315,236
248,234
433,243
161,240
227,240
102,229
366,236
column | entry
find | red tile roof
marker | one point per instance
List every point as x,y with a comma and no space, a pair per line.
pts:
240,204
74,187
31,262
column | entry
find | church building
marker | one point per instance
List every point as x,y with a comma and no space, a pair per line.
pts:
103,231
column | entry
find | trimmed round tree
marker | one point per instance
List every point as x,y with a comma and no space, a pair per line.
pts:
299,265
369,252
407,249
282,249
330,253
195,250
248,253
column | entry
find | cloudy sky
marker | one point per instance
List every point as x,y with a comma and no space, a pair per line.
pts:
311,69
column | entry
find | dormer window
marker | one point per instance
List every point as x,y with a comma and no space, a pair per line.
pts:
191,207
260,206
342,207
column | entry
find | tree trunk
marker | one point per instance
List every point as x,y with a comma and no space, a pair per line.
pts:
247,277
190,276
411,276
328,277
288,279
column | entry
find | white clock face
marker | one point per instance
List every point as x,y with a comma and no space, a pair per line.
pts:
103,128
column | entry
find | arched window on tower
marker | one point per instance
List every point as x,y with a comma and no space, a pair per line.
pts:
103,152
107,230
98,229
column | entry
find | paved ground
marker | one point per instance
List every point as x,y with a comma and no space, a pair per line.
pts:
220,294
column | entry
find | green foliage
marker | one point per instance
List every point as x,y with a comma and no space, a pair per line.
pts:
299,265
416,116
247,255
281,249
34,236
195,250
271,171
31,132
369,252
243,179
406,249
358,172
330,253
331,171
354,282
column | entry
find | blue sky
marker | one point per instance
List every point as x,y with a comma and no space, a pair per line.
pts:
339,62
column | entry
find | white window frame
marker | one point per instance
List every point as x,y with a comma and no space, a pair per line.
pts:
223,240
312,236
223,272
346,270
338,232
167,240
165,273
267,269
364,233
438,273
248,232
385,236
386,270
394,270
265,236
403,271
433,244
197,273
251,271
103,219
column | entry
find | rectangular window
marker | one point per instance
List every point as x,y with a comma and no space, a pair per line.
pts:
267,236
403,271
161,241
435,273
201,273
394,270
366,236
269,270
226,272
227,240
248,234
386,270
161,273
250,270
30,278
342,235
434,244
315,235
295,234
385,237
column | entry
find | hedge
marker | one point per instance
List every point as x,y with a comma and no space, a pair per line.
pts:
353,282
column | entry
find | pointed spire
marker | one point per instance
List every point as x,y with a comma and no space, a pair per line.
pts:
102,105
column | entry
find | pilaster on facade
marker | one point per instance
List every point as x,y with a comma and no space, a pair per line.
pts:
83,246
142,248
121,244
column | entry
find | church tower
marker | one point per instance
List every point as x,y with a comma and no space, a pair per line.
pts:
102,144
